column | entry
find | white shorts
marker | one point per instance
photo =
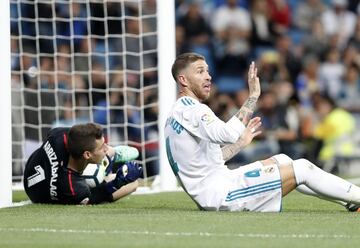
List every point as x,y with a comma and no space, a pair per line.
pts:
255,187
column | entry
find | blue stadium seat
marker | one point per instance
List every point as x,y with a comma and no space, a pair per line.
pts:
229,84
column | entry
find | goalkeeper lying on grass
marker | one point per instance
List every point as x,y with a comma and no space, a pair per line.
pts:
53,172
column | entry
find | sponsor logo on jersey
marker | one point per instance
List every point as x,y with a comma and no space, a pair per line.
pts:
54,169
207,118
269,169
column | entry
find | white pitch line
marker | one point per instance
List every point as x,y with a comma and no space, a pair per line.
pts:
21,203
187,234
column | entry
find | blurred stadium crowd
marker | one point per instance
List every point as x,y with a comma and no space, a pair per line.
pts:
307,52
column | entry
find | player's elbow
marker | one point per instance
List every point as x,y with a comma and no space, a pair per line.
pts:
223,136
229,137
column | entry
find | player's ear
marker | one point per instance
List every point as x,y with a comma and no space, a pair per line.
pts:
182,80
87,155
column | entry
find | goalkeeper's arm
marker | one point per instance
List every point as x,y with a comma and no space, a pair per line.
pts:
125,181
125,190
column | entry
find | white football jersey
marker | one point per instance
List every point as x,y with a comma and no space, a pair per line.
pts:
194,135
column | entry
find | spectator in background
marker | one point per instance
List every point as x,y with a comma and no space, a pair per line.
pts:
330,72
232,27
289,57
339,21
316,42
224,106
334,130
198,33
308,81
262,35
180,37
289,135
307,13
355,39
349,95
280,15
350,56
272,68
279,119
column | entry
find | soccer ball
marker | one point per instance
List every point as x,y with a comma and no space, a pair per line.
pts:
94,174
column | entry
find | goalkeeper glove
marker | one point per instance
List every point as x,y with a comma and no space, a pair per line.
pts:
127,173
124,154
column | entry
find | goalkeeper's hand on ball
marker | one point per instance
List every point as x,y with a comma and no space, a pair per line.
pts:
124,154
127,173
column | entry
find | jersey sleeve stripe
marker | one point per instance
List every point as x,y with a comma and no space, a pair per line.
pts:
183,101
70,183
65,141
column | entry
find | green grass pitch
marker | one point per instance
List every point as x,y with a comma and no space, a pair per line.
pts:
172,220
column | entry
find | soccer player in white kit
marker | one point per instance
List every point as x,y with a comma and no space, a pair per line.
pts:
198,144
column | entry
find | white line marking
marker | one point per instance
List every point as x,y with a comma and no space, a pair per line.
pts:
187,234
21,203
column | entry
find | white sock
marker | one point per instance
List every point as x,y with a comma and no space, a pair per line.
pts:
305,190
323,183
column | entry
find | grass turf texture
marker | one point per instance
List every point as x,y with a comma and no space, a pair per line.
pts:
172,220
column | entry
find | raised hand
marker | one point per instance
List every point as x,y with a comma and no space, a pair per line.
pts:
253,81
247,136
251,131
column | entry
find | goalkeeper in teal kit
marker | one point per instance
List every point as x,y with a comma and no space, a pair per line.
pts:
53,172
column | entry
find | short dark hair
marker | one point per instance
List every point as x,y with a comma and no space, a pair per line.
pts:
182,61
82,137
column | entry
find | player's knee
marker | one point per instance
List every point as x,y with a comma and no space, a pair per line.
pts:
304,163
282,160
304,170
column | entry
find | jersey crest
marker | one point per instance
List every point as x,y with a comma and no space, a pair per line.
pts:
207,118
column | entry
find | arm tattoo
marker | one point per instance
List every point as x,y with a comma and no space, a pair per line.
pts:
244,115
246,110
231,150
